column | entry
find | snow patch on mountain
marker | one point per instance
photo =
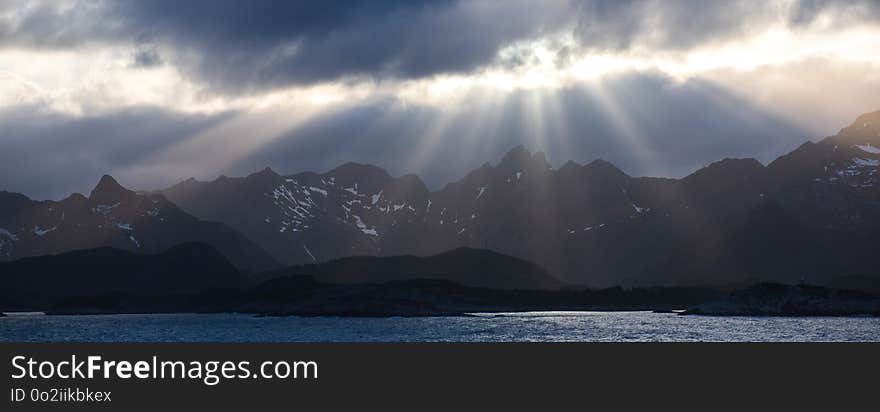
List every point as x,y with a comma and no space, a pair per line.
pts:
868,148
363,226
309,252
866,162
640,209
295,212
104,209
353,190
7,234
41,232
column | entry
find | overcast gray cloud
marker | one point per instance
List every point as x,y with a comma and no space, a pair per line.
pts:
682,24
242,46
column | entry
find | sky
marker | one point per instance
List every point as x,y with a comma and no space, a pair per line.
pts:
157,91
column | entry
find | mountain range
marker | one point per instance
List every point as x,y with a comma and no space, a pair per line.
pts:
811,215
113,216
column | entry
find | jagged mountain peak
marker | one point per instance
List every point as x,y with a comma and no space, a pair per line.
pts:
737,163
728,167
266,176
581,221
75,197
865,130
570,167
519,158
865,120
13,196
266,172
108,189
540,158
517,153
603,167
352,170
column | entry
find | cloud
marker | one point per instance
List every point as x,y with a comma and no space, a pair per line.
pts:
620,25
49,155
240,47
255,45
146,58
840,12
244,47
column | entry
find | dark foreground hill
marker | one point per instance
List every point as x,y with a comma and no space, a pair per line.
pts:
196,278
464,266
42,282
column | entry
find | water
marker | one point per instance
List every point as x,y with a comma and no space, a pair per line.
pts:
531,326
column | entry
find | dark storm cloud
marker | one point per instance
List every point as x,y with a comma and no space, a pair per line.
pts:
844,11
242,46
609,24
683,24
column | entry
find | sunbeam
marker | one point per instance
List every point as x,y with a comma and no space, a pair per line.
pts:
213,150
629,132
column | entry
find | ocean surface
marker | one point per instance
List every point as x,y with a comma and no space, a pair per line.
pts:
497,327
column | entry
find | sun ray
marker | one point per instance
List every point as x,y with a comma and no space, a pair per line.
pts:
626,129
211,151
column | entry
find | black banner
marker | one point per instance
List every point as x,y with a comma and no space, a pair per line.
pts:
460,376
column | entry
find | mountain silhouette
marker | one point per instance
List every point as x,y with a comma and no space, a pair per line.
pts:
113,216
813,214
588,224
